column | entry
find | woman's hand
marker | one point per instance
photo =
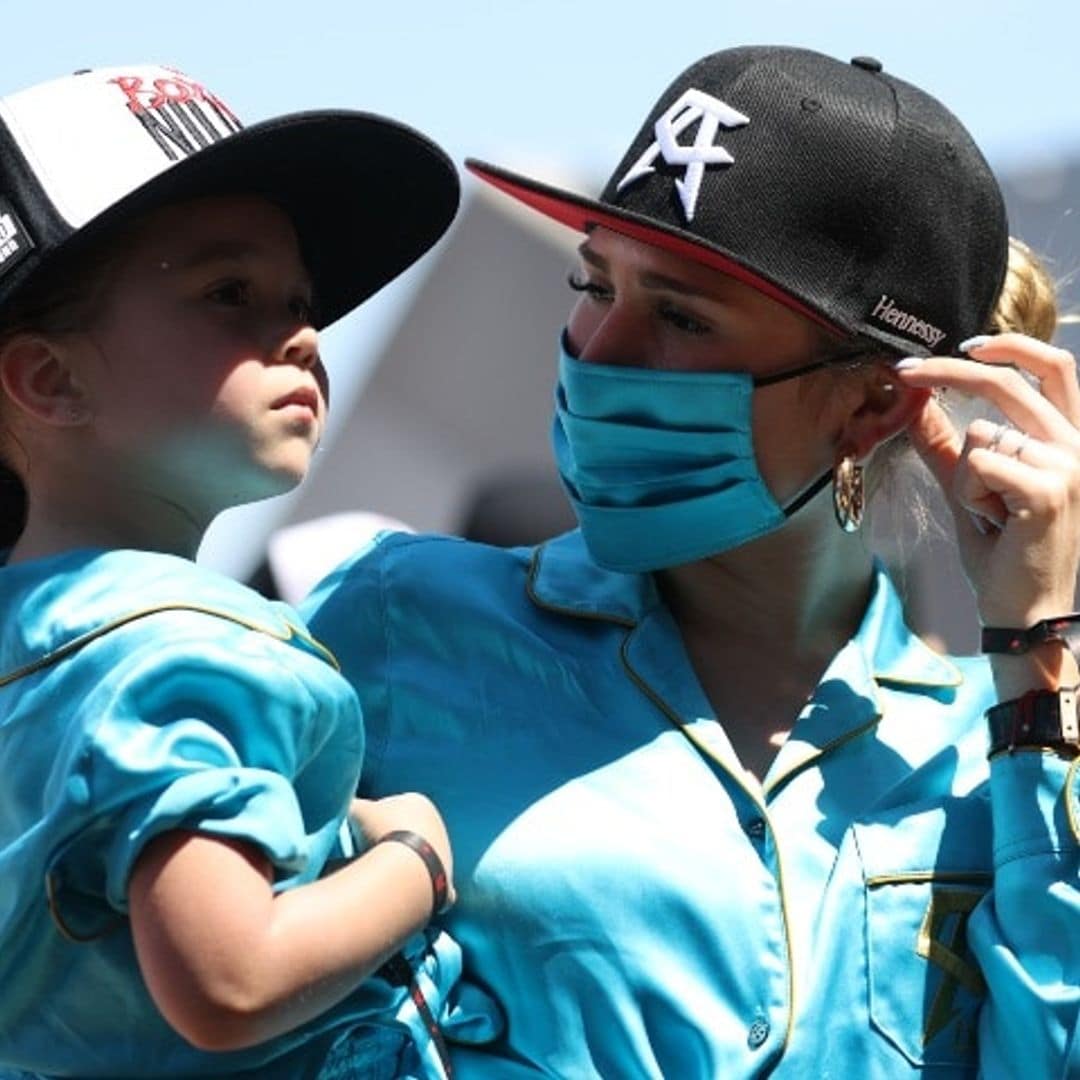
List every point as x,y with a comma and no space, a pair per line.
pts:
1014,489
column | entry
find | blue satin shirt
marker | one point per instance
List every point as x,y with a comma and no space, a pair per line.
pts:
885,904
138,694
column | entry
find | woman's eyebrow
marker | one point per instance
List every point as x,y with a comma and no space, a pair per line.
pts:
661,281
588,255
649,279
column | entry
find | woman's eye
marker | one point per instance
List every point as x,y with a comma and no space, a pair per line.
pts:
682,321
230,293
592,289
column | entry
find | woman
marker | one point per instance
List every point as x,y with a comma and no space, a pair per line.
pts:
179,756
717,811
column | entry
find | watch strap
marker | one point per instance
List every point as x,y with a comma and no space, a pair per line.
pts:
1013,641
1040,718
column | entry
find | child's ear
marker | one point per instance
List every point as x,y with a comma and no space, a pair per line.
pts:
37,378
883,408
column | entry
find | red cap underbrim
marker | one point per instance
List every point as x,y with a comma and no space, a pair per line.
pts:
584,214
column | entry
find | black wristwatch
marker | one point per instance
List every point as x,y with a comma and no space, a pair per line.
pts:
1041,718
1013,642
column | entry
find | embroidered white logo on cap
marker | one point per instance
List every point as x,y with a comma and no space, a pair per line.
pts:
886,311
14,243
694,106
8,232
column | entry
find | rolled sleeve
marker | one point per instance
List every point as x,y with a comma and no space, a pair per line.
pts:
220,732
251,805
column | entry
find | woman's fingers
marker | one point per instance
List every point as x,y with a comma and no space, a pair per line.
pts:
1054,368
1005,473
1052,415
1003,387
1016,483
1009,442
997,470
994,471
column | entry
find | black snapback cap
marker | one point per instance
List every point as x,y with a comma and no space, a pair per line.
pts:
843,192
81,154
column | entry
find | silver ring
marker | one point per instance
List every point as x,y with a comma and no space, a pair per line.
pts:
1025,438
999,434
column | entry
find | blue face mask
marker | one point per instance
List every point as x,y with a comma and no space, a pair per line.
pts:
659,465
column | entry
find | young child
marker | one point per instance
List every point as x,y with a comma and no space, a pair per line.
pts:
178,755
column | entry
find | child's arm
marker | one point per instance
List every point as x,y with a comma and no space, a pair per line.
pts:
231,964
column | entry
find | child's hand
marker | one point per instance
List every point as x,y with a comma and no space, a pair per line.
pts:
411,811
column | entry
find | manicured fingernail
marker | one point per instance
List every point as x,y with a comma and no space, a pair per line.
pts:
909,363
973,342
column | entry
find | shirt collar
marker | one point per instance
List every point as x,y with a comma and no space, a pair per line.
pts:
565,579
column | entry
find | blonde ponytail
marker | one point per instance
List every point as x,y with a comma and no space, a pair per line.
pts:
1028,300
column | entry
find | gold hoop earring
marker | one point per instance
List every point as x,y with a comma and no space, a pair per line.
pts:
848,496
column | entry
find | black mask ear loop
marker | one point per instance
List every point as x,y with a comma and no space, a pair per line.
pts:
790,373
801,500
782,376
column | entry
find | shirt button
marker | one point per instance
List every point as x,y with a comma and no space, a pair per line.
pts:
759,1032
755,828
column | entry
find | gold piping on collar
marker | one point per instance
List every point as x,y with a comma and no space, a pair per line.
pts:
546,605
672,716
82,640
940,877
52,902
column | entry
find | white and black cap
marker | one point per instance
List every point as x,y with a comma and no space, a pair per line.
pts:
81,154
838,189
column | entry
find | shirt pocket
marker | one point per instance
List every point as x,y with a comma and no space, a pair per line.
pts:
923,875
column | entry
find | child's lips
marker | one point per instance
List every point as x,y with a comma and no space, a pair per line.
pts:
303,397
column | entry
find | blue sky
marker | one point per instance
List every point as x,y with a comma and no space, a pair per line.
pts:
563,78
567,82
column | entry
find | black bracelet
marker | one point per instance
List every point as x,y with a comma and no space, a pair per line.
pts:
1014,642
1040,718
440,886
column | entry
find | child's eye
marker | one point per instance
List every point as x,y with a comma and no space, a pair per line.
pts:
302,309
682,321
593,289
230,293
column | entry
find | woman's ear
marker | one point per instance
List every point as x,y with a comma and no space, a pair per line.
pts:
883,408
38,379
